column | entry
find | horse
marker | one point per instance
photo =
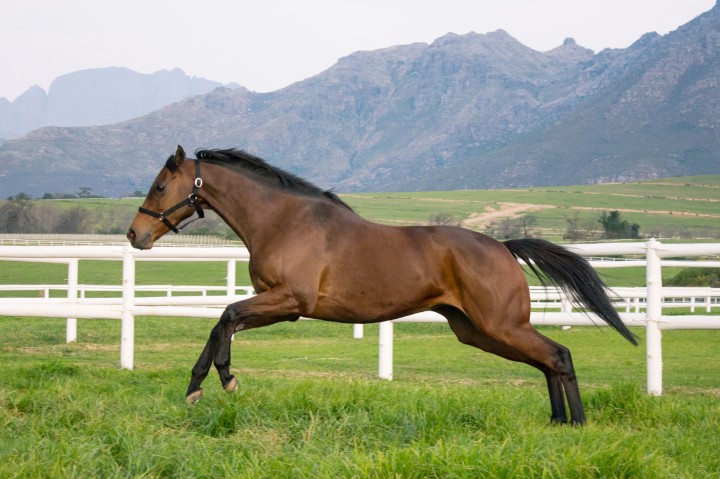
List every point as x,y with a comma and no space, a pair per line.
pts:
311,255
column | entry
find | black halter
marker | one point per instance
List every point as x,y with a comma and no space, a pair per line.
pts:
192,199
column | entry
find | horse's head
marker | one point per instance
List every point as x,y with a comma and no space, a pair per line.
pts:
171,199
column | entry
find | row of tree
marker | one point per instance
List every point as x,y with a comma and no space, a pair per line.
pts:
22,215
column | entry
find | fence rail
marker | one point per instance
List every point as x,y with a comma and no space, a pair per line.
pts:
51,239
556,309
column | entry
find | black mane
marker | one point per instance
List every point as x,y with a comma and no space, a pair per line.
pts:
243,160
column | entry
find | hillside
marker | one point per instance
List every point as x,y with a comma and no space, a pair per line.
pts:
464,112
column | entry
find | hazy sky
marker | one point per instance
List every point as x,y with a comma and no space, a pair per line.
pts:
268,44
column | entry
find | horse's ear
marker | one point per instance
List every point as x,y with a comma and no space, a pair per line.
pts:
179,155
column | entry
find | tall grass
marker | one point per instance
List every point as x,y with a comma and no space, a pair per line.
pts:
308,406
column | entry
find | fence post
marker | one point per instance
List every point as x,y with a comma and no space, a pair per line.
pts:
127,330
385,356
358,331
230,282
71,323
653,315
231,266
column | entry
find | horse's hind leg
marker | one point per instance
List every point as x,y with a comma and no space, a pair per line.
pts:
569,381
467,333
557,396
554,359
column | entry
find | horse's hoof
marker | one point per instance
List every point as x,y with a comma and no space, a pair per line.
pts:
232,385
193,397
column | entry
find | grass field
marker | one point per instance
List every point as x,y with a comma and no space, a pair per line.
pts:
683,207
675,207
309,405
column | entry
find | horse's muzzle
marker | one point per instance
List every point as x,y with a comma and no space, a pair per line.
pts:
138,243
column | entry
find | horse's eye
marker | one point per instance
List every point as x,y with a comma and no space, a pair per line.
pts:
160,187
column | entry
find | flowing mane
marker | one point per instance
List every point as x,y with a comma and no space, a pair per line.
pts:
242,160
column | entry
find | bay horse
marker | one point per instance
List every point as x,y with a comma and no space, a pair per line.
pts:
311,255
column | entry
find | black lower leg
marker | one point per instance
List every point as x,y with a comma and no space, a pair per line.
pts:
557,397
572,390
222,359
202,366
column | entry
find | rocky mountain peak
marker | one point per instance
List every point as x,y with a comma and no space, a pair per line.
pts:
97,96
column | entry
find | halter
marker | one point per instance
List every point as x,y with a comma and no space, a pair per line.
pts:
192,199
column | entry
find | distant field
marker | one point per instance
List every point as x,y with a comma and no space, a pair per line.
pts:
682,207
679,207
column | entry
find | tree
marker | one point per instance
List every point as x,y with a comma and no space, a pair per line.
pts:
446,219
84,192
527,222
16,216
573,232
512,228
617,228
74,220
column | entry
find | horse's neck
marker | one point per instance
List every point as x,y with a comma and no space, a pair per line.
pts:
248,207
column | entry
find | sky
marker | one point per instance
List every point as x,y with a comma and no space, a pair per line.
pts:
265,45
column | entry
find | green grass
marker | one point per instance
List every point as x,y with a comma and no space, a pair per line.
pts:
308,406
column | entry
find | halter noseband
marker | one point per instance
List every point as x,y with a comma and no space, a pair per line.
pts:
192,199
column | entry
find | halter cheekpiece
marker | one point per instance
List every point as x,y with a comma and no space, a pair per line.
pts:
192,199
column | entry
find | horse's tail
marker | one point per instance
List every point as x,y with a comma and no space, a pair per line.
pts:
573,274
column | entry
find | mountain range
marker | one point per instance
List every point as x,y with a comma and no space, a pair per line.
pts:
97,96
466,111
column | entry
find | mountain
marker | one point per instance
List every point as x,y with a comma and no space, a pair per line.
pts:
466,111
97,97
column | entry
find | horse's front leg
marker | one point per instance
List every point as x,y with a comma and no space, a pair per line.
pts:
262,310
222,356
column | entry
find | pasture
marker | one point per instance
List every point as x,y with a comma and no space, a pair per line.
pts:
685,207
682,207
309,404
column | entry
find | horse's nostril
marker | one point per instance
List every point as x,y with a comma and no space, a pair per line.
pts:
131,234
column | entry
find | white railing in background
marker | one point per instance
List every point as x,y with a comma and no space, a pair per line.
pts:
653,298
57,239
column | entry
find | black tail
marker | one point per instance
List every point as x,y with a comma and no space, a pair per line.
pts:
573,274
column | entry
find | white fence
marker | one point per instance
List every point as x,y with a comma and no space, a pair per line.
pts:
57,239
76,305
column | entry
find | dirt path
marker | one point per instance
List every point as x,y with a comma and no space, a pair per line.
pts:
506,210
